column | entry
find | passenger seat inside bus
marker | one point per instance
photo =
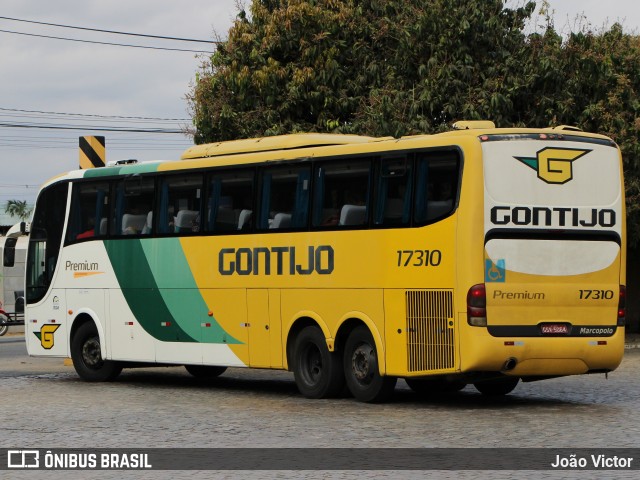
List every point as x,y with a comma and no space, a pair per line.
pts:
244,219
281,220
146,230
185,220
353,215
133,224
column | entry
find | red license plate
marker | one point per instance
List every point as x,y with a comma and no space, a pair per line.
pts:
554,329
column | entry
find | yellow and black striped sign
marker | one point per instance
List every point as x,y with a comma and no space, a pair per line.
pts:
92,152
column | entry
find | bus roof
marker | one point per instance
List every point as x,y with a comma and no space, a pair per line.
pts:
309,140
266,147
279,142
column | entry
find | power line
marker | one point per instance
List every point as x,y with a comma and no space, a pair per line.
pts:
94,115
114,140
110,31
90,128
105,43
33,117
3,185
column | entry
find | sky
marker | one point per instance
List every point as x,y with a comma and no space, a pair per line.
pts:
47,81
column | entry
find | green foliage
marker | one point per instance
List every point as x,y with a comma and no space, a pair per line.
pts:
18,208
380,67
400,67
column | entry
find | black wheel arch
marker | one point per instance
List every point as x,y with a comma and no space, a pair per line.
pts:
299,325
340,339
78,321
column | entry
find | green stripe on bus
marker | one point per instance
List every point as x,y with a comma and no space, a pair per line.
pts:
101,172
141,292
179,290
122,170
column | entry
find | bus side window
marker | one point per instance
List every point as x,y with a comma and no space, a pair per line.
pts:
134,201
180,202
89,211
436,187
341,195
229,202
285,198
393,192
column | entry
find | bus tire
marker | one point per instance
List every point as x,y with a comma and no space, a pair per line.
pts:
361,368
205,371
87,356
317,371
434,386
497,387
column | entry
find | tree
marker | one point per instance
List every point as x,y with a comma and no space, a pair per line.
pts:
18,208
376,67
398,67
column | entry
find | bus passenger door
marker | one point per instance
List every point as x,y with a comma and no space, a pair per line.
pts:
263,309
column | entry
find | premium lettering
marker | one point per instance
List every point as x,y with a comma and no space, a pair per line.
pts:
518,295
81,266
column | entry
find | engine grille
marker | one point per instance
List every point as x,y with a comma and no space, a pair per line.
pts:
430,330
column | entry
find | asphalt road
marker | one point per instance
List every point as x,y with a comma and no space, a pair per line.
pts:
45,405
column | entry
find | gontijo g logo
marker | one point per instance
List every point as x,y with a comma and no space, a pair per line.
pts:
45,335
554,165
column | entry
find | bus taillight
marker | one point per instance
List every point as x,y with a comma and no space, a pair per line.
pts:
477,306
622,306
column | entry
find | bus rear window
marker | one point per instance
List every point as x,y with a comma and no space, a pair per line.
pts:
437,180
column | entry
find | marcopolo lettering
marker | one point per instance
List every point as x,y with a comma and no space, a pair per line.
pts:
553,216
278,260
596,331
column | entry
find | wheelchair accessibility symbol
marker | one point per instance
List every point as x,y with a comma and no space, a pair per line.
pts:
494,272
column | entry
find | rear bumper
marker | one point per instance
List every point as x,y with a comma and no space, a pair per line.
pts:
539,356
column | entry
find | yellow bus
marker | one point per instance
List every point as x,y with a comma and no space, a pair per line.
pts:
477,256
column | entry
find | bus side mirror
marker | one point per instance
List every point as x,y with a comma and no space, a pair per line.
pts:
23,228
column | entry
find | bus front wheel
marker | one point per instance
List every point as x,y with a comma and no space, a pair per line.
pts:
87,356
317,371
361,368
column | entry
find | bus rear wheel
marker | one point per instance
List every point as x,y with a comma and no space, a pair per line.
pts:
205,371
317,371
497,387
361,368
87,356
